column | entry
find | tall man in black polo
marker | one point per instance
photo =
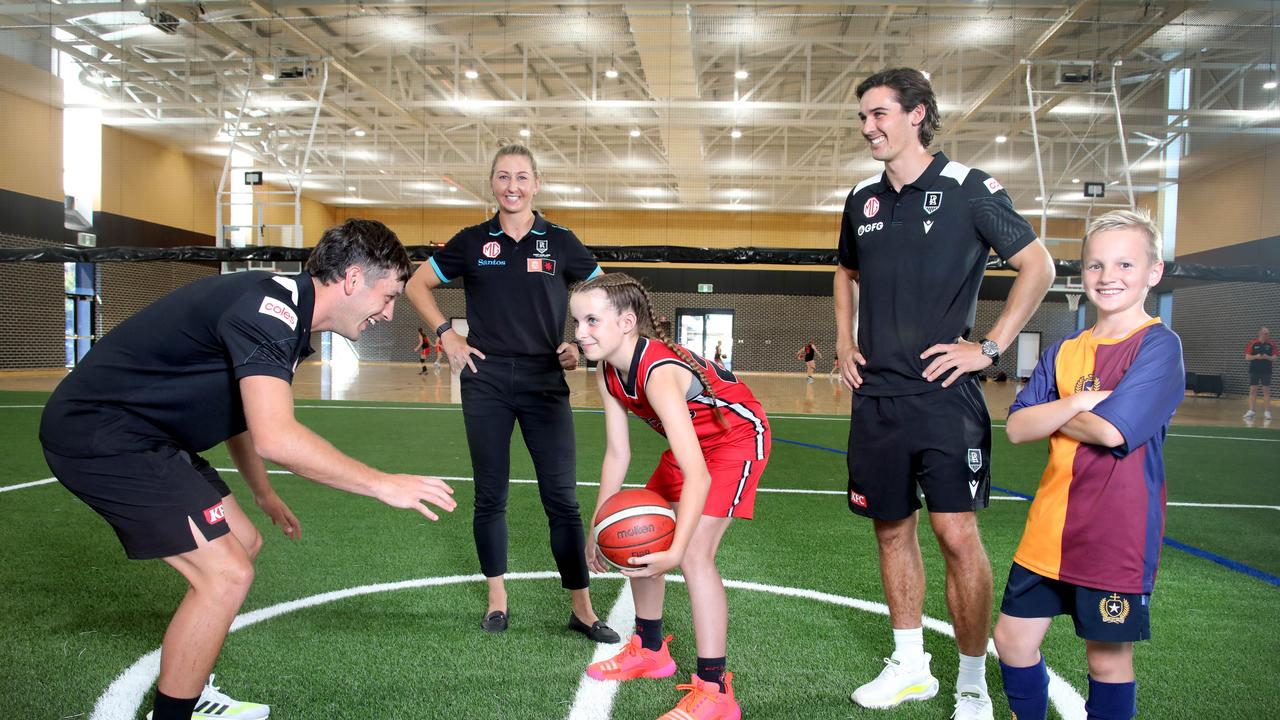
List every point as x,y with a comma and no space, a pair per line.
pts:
914,243
208,363
517,269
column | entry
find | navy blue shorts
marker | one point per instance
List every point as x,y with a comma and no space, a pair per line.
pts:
1099,615
148,497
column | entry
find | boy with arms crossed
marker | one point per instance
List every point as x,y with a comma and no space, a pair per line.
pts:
1104,398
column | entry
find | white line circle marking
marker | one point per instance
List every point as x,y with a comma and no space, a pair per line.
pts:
123,698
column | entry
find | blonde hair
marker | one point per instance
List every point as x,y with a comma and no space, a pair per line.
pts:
1123,220
513,149
624,293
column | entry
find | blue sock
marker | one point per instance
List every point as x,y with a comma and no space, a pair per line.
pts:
1027,689
650,632
1111,701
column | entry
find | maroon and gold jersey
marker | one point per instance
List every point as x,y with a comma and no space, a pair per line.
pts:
745,433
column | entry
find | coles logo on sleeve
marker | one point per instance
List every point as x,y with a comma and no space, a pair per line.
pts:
491,249
871,207
993,185
279,310
216,514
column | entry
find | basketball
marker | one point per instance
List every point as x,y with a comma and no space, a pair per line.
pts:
633,523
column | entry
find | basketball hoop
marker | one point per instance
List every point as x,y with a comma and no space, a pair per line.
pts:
1073,300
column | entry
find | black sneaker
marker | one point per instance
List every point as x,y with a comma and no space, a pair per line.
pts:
495,622
597,630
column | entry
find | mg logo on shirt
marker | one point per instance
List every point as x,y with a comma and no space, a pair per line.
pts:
491,249
871,207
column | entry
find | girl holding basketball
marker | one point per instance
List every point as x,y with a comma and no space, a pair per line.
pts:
720,441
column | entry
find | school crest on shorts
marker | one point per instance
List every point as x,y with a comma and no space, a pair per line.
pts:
975,459
932,201
1113,609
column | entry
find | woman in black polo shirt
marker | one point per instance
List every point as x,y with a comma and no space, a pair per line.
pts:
517,268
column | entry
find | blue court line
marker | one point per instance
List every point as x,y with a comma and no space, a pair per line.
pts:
1213,557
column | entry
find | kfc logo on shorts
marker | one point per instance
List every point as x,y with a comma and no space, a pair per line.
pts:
871,207
857,499
215,514
277,309
993,185
491,249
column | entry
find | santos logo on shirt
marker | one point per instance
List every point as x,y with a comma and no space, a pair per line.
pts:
869,227
277,309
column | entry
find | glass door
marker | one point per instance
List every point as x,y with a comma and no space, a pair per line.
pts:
703,330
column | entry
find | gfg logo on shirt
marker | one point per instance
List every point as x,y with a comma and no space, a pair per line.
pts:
869,227
277,309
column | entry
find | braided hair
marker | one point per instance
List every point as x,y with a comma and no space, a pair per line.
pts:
623,293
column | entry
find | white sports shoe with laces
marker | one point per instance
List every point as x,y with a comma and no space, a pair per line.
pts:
896,684
217,705
972,703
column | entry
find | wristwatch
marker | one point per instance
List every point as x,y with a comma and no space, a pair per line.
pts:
991,350
445,327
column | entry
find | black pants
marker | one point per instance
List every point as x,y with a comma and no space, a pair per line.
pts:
533,392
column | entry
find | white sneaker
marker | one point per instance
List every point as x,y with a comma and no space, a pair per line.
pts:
217,705
1248,415
1266,415
973,703
896,684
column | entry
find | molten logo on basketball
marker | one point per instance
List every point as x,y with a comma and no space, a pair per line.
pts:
634,531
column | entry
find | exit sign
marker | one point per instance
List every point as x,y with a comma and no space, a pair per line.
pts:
705,287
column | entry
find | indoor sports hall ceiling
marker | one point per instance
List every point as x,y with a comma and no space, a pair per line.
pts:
704,105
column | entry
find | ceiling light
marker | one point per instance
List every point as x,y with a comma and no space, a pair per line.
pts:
524,132
1039,198
742,74
269,76
1002,139
611,73
635,133
1075,180
351,188
735,134
1152,143
1269,85
577,189
307,170
453,188
927,75
472,74
359,132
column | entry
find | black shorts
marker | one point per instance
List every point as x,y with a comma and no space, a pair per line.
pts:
1260,376
1099,615
147,496
937,443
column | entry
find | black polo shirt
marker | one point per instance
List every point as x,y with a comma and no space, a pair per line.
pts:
920,254
169,374
517,292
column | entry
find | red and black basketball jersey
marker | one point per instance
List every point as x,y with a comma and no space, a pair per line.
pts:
747,431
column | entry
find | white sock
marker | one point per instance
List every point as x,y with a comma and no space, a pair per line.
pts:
908,645
973,671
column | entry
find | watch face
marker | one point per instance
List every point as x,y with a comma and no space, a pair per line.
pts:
990,348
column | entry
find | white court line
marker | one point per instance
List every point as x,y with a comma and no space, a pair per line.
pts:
19,486
596,411
778,491
804,491
123,698
594,699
